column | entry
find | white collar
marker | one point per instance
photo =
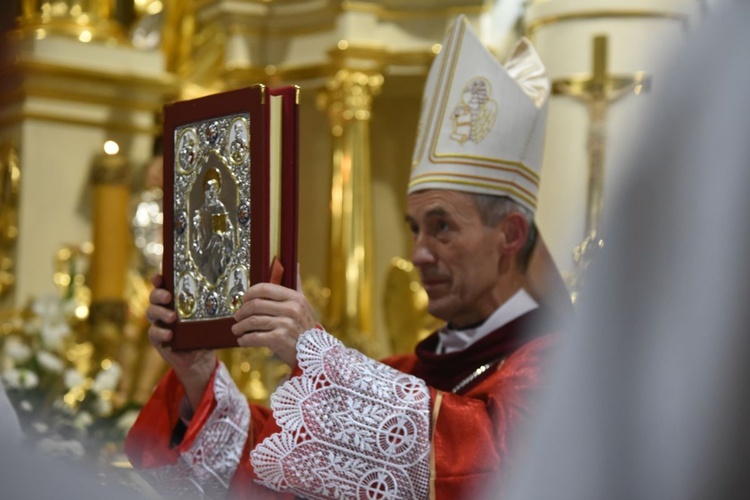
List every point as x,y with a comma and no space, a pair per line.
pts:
450,340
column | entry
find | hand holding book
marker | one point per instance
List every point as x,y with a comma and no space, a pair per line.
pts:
230,206
273,316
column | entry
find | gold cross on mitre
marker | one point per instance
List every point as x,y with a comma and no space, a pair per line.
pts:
597,91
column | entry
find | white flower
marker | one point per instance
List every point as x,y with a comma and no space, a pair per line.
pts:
16,350
126,421
69,307
12,378
103,407
50,308
54,334
107,380
50,362
83,420
26,406
72,378
20,379
29,379
40,427
61,449
33,326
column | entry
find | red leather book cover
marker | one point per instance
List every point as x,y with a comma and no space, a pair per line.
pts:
230,205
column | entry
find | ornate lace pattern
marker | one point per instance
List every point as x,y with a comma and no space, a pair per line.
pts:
351,428
205,470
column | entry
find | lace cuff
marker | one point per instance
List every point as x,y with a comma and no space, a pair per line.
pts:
206,469
351,427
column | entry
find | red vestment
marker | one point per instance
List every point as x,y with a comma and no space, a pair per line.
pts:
469,435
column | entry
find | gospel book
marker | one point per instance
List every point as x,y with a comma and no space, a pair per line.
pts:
230,205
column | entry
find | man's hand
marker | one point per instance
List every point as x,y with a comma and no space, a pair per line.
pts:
273,316
193,368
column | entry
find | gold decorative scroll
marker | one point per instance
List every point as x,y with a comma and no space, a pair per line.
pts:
347,99
406,307
257,372
177,35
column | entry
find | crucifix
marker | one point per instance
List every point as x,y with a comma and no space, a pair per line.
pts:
597,91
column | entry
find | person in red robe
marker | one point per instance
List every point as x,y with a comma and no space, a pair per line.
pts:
438,423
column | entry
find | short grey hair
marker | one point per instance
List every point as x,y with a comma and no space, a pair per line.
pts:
493,209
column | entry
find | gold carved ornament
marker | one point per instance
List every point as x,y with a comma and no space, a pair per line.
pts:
10,185
87,21
406,307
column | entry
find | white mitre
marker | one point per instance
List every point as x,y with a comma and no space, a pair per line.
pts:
482,125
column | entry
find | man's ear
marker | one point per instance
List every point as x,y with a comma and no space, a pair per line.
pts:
515,230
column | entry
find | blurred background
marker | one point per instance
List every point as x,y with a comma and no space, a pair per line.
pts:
82,86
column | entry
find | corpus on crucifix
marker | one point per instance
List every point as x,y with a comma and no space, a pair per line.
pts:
597,91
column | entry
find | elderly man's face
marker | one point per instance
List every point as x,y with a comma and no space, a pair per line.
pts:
457,256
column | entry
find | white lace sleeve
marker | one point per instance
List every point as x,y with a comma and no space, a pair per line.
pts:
351,428
205,470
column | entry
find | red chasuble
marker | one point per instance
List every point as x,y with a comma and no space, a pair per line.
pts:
474,429
469,436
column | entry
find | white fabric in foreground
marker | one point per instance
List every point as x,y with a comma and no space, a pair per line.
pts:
650,398
10,429
352,427
207,468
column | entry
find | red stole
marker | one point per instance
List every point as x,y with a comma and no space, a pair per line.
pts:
445,371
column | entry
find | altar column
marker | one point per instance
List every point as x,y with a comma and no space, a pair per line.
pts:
635,40
347,99
112,246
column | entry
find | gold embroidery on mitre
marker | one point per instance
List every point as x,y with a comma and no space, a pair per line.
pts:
420,131
475,115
